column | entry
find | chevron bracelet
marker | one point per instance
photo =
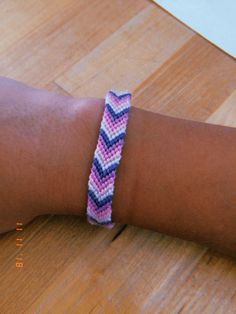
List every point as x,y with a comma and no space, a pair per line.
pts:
107,157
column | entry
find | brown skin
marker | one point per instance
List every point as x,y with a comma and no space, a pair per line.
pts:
176,176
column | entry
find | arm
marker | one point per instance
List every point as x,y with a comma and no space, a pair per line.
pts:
176,176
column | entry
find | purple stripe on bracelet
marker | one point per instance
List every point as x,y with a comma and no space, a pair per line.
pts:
107,157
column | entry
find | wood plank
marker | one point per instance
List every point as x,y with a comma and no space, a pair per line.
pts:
51,244
226,113
107,282
139,48
20,19
56,45
192,84
53,87
161,275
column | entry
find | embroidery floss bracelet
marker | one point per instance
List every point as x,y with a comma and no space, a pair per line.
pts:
107,157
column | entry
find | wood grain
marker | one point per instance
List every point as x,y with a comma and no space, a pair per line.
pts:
141,47
191,84
83,48
53,46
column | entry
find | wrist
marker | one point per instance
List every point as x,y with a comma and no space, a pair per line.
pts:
90,116
80,138
74,145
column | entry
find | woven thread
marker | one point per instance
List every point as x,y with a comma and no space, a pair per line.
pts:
107,157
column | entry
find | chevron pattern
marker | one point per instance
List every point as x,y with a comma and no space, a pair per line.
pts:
107,157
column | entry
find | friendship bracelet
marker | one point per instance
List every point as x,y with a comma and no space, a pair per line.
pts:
107,157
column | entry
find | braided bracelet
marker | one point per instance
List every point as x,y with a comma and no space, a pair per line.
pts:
107,157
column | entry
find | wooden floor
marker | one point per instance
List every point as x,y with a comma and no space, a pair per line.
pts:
83,48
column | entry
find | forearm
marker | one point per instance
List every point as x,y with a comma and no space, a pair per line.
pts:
176,176
184,178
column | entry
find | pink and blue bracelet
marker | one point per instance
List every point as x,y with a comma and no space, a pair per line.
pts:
107,157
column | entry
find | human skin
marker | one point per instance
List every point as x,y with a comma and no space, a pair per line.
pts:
176,176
